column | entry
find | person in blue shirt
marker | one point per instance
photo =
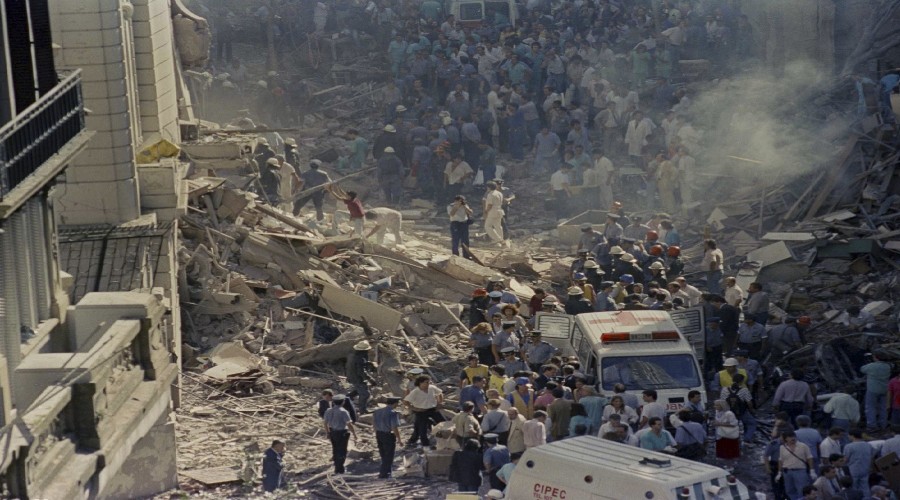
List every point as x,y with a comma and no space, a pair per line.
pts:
474,393
877,373
386,422
495,456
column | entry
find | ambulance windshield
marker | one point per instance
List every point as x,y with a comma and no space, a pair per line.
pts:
666,371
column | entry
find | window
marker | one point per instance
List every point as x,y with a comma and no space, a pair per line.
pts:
667,371
471,11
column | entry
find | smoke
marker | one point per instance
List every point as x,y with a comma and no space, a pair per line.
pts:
764,118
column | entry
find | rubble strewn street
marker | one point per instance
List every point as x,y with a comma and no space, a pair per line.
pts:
343,198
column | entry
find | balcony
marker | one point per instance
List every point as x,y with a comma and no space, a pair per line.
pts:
38,143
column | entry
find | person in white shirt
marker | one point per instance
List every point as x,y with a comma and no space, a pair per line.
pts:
560,185
831,445
652,408
423,402
734,294
639,128
386,219
535,430
713,263
493,213
692,292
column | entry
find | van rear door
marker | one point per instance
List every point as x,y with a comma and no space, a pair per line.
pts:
692,324
556,329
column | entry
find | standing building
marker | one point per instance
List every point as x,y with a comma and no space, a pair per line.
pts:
91,101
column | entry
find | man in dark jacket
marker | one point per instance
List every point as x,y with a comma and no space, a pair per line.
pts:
358,367
273,467
465,467
576,303
389,171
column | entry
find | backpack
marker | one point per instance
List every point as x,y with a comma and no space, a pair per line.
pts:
738,406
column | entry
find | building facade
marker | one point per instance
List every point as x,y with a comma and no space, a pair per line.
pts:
89,319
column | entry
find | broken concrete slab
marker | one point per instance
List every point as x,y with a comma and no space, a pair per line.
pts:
433,314
569,231
351,305
415,325
464,270
877,307
230,358
792,237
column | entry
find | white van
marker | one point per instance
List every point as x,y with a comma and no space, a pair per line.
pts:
590,468
641,349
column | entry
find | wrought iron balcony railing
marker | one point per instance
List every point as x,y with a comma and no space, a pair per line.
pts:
40,131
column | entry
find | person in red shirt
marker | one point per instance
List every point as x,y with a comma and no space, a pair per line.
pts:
894,398
354,206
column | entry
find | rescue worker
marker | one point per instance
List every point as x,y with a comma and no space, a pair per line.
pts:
358,374
676,264
386,422
576,303
338,428
725,377
537,352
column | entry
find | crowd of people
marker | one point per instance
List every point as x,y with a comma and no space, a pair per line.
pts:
585,102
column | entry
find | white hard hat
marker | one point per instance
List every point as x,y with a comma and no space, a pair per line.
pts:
389,128
388,149
290,141
730,362
263,84
575,291
657,265
272,161
362,346
447,120
262,140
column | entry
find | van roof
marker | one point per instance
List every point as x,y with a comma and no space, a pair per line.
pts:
590,453
594,325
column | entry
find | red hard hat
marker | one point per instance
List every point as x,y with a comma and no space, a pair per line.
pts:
656,250
652,236
804,320
479,292
674,251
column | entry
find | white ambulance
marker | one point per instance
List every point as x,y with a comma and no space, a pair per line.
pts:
640,349
590,468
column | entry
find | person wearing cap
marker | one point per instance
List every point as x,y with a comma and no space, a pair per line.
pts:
270,180
604,301
262,152
613,232
784,338
309,180
593,274
389,138
481,340
386,422
506,337
636,230
465,467
578,264
628,265
423,401
714,342
580,280
623,288
752,337
290,152
338,428
359,373
273,466
675,262
389,172
537,352
495,456
725,376
523,397
327,402
510,362
589,238
656,271
576,303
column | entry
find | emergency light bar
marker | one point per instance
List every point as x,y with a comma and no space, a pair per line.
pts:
639,337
